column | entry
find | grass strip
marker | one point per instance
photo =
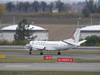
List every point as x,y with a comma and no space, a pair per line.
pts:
47,73
19,59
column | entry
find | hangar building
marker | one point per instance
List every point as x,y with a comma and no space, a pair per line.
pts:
90,30
8,32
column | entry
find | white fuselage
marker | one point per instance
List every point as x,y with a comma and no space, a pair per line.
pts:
50,45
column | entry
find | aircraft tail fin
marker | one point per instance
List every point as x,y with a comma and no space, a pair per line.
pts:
76,36
74,39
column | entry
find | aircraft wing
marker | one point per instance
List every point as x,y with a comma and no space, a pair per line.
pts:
38,47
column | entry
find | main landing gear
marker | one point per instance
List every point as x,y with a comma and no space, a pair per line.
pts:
41,53
59,52
30,51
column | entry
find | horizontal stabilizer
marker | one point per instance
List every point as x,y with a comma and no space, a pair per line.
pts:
81,42
70,43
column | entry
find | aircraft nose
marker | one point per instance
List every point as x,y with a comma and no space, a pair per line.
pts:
27,46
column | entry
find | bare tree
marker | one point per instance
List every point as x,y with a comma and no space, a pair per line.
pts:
19,6
50,6
60,6
26,5
35,5
9,6
43,6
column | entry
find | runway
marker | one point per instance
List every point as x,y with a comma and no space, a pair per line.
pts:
22,48
50,67
80,56
54,55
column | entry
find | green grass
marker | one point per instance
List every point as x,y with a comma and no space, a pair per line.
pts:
85,61
19,59
67,51
47,73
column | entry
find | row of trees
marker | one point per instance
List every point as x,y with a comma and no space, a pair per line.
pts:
36,6
92,41
90,7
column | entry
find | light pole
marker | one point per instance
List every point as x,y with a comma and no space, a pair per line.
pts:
13,19
78,22
91,20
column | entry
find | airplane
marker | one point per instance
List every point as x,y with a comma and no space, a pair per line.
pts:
73,42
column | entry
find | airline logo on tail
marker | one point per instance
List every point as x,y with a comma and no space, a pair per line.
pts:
73,38
74,35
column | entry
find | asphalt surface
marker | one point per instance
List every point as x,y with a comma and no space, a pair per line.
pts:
54,55
12,48
80,56
50,67
22,48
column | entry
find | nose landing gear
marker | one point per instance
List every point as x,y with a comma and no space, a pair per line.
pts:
30,51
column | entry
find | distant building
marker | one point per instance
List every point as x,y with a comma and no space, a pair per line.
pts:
74,11
8,32
90,30
55,11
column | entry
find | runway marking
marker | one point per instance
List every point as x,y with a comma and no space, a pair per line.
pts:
98,63
2,56
17,66
98,57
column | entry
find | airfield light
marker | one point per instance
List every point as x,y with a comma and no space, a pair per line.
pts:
78,22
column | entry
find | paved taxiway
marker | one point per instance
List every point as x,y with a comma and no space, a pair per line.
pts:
22,48
50,67
54,55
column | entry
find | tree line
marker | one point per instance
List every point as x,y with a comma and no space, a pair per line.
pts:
90,7
42,6
92,41
37,6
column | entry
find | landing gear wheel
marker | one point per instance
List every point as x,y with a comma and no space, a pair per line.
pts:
41,53
59,53
30,51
